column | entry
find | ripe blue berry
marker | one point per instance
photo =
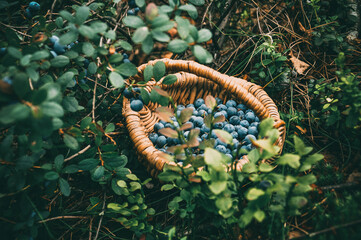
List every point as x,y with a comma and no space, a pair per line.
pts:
234,134
249,138
242,132
219,125
229,128
53,53
254,124
202,113
136,105
161,141
221,148
131,12
241,107
234,120
53,39
264,184
128,94
222,107
225,114
86,63
136,10
241,114
253,130
229,155
132,4
198,102
250,117
256,119
58,48
198,122
34,6
153,137
28,13
244,123
204,129
218,100
126,60
219,142
231,103
8,80
231,111
235,143
158,126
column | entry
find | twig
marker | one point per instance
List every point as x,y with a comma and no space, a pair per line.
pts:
63,217
101,217
77,154
340,186
52,9
328,229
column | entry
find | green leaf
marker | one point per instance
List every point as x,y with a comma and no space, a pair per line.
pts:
99,172
92,68
159,70
213,158
224,203
51,176
145,95
127,69
87,31
58,162
160,36
202,54
111,34
122,183
109,128
314,158
147,45
134,186
82,14
168,132
197,2
307,179
210,102
259,215
182,27
71,104
148,73
59,61
204,35
64,187
292,160
133,22
116,79
297,201
14,52
190,9
301,147
140,34
59,22
167,187
265,167
68,37
249,168
132,177
70,142
254,193
140,3
40,55
88,164
125,45
14,112
218,186
224,136
168,176
88,49
98,27
116,58
67,16
177,46
52,109
265,126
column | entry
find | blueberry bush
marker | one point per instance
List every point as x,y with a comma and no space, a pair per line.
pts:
68,168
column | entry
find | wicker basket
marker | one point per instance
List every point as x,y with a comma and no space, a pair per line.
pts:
194,81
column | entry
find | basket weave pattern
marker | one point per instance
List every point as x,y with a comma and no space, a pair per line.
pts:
194,81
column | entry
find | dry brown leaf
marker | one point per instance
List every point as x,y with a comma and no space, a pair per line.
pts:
299,65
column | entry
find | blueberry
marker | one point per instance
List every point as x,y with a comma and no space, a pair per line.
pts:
168,125
249,147
241,114
234,120
228,151
222,107
249,110
250,117
204,129
176,124
136,105
126,61
234,134
198,122
242,132
186,134
202,113
34,6
136,89
244,123
231,103
162,122
54,39
217,114
153,137
256,119
231,111
219,142
131,12
53,53
229,155
132,4
225,114
264,184
162,150
204,136
190,106
180,107
125,56
203,107
136,10
254,124
128,94
221,148
241,107
195,113
2,51
198,102
28,13
249,138
213,135
218,100
8,80
161,141
71,45
192,119
219,125
253,130
58,48
229,128
158,126
235,143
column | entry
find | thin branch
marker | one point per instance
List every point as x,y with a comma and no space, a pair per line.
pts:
77,154
63,217
101,217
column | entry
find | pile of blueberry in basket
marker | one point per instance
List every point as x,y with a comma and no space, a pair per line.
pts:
240,122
